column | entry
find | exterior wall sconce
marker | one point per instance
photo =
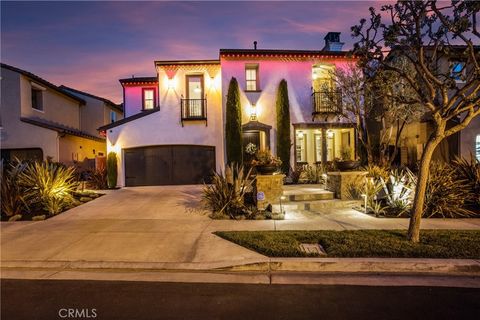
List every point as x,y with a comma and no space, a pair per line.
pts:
171,83
253,112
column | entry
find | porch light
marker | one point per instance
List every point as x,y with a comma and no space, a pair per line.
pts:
253,112
329,133
171,83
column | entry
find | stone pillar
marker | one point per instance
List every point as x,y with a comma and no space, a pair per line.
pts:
339,182
269,189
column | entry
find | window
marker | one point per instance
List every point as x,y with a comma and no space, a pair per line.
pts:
148,99
301,147
113,116
477,147
37,99
457,70
251,77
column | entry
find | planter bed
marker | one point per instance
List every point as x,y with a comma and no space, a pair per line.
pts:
440,244
81,197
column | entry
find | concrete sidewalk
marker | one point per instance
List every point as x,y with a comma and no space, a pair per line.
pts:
163,227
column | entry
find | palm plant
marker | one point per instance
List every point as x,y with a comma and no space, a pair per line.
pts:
226,193
48,185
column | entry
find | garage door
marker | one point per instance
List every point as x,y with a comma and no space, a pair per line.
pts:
168,165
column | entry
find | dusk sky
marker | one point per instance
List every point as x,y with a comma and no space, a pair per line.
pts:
90,45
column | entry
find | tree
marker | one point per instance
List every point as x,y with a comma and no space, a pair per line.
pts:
112,170
428,37
283,126
374,95
233,124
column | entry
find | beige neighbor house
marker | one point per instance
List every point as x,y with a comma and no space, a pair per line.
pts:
41,121
415,135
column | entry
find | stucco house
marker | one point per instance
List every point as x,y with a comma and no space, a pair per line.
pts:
173,132
40,120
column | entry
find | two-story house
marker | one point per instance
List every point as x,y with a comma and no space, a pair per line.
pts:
173,132
40,120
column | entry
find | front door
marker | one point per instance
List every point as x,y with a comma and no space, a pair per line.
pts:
252,137
194,96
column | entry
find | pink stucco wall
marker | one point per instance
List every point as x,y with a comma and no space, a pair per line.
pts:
133,98
297,73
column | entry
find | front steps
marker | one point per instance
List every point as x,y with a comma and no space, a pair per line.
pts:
311,197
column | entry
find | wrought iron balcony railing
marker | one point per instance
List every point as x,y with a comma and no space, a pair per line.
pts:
327,102
193,109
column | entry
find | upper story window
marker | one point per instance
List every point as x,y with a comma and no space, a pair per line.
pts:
37,98
113,116
251,77
458,70
477,147
148,98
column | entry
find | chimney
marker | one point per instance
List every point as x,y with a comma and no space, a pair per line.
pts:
332,42
255,45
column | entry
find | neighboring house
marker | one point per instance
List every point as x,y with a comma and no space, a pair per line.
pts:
96,112
41,121
173,132
415,135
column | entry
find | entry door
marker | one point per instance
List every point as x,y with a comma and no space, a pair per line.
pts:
195,96
250,137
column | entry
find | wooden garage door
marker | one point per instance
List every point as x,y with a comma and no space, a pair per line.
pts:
168,165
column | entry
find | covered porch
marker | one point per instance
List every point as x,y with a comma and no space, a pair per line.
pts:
322,143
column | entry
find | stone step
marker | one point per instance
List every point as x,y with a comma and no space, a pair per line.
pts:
317,205
324,195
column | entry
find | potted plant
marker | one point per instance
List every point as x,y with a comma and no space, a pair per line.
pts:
265,162
346,163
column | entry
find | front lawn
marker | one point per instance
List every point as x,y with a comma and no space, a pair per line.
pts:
450,244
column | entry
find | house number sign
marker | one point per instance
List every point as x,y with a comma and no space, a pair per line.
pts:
260,196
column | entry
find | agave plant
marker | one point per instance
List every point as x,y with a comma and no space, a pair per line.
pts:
49,185
399,189
12,193
225,195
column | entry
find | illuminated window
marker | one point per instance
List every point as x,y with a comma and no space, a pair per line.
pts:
457,70
477,147
301,147
148,99
251,77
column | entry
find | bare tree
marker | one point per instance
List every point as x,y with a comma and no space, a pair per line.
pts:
428,35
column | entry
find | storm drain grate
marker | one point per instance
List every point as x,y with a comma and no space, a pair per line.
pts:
313,248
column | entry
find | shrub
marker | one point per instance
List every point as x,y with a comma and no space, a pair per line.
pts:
469,170
313,174
112,170
13,201
48,184
233,124
447,193
98,178
284,142
226,193
377,172
296,173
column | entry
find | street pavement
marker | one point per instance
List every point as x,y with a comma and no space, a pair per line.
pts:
52,299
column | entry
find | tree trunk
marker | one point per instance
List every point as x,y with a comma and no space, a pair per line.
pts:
420,190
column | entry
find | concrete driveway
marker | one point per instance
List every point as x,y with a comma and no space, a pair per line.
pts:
164,227
142,224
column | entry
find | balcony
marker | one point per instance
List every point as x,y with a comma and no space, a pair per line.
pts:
327,102
193,110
